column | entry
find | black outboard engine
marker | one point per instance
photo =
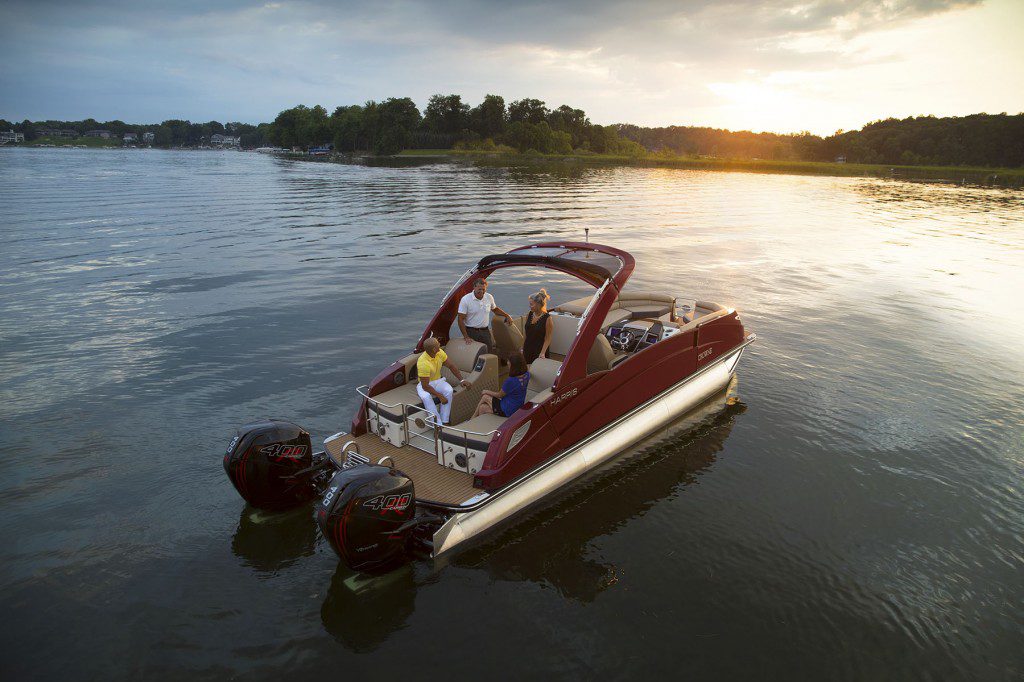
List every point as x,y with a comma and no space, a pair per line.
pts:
271,465
367,516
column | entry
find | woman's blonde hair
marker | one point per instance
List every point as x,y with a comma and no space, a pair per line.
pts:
541,297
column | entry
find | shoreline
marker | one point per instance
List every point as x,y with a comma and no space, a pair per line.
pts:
1015,176
998,177
1011,178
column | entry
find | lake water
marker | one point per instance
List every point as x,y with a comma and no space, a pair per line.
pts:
855,513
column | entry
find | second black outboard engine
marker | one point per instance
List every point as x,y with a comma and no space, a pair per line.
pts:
367,516
271,465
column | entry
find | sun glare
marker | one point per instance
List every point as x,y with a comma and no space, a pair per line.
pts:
771,105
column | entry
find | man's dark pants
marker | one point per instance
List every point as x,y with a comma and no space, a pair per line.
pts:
483,335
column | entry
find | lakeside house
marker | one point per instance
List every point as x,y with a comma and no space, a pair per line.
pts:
103,134
12,137
148,138
130,137
219,140
840,159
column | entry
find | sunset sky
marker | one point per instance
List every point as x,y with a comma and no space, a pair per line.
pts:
777,65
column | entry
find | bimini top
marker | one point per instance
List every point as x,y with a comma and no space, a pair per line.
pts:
593,263
603,267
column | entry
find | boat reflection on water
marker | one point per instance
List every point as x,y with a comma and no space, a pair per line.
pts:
552,548
270,541
362,611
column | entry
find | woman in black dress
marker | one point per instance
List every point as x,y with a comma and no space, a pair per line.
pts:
538,328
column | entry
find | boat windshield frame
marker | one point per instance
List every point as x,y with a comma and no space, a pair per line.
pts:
591,263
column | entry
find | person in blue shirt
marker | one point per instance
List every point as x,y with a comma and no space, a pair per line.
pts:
512,395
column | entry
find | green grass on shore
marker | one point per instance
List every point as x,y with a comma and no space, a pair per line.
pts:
1011,175
75,141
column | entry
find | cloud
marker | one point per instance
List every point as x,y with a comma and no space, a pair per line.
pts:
643,61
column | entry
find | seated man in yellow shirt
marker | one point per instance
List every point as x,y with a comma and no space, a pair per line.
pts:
431,385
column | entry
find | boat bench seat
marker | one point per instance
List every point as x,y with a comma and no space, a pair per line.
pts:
564,332
704,316
478,427
576,307
629,305
542,375
543,372
478,368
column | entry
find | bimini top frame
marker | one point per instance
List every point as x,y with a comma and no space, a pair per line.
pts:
603,267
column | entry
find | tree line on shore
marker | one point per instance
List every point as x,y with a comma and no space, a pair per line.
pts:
170,133
529,126
387,127
977,140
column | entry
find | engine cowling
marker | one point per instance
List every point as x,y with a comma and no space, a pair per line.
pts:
365,516
265,462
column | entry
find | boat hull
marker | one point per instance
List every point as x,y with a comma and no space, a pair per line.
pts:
588,454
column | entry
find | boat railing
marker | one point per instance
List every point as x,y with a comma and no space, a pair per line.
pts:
364,391
429,435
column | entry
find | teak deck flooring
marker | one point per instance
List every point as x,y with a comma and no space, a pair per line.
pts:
433,482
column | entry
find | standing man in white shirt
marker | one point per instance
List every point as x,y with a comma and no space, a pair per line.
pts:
475,315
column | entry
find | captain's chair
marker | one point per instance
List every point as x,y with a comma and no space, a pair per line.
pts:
508,338
601,355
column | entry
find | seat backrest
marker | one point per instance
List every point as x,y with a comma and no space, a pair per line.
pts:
707,307
646,304
685,327
628,297
464,355
507,337
601,355
575,306
543,372
563,334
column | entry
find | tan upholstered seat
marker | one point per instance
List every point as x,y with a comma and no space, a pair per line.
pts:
485,423
629,305
508,338
601,355
575,306
473,437
705,315
642,304
563,333
478,368
464,447
543,372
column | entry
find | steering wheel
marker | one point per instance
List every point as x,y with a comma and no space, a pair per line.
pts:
624,341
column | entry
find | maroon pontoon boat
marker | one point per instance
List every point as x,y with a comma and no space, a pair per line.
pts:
621,365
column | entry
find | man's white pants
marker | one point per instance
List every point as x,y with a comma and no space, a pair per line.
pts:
445,389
